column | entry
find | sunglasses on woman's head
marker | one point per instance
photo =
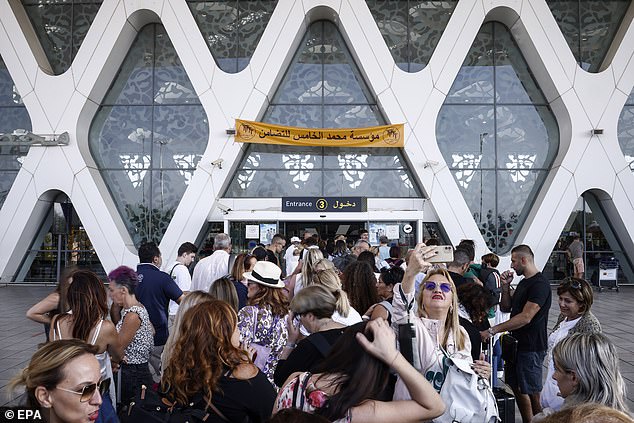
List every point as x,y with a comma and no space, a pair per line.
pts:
89,390
444,286
575,285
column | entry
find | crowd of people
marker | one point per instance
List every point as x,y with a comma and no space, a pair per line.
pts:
321,331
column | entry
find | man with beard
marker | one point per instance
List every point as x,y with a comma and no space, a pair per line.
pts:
529,306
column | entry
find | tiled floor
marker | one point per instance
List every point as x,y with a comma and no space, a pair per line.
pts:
19,336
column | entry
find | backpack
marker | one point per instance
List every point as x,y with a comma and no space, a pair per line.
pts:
468,397
149,406
491,281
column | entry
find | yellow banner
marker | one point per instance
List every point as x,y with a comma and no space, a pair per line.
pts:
375,136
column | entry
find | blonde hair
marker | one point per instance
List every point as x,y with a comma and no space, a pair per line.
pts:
316,299
312,256
190,300
594,359
47,367
330,280
224,290
588,413
452,324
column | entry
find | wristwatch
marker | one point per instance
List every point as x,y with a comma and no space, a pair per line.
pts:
491,331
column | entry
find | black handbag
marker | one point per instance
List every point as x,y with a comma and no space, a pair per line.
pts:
150,406
509,348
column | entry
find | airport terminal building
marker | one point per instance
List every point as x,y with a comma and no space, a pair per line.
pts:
117,125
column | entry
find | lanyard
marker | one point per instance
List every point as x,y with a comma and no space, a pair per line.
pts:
408,305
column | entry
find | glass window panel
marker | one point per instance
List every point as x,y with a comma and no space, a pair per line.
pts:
566,13
216,20
352,116
171,84
391,17
292,115
626,134
600,20
12,156
61,27
6,180
271,184
369,183
133,83
474,83
411,29
516,194
513,78
12,118
9,95
465,136
276,157
135,145
363,158
53,25
589,27
478,189
121,137
83,16
232,29
428,20
524,137
254,16
180,136
298,102
512,143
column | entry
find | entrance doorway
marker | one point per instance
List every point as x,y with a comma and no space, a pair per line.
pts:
325,230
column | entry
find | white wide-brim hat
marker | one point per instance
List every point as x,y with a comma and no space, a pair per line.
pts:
265,273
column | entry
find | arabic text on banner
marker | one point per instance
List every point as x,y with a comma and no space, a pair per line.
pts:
375,136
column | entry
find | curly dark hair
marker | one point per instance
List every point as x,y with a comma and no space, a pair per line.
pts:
475,299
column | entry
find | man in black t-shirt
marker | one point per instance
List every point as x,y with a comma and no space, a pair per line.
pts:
529,306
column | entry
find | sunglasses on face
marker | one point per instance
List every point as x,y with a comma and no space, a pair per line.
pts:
444,286
89,390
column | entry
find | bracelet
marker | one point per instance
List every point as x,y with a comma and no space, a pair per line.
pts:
491,331
394,359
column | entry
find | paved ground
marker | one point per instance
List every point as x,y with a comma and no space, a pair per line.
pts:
19,336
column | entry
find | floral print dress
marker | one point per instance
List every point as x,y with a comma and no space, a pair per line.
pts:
258,325
308,397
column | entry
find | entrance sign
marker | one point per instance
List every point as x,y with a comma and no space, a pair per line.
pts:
324,204
375,136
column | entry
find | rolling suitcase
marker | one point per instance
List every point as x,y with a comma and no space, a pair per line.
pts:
504,400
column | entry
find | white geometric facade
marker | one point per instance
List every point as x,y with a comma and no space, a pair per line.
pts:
581,101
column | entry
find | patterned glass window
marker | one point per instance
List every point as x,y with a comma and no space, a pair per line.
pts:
322,88
13,115
149,134
61,26
411,29
498,135
626,130
589,27
232,29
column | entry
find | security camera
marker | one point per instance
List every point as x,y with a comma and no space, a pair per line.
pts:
217,163
224,208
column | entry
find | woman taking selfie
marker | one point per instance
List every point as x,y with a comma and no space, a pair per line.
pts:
435,322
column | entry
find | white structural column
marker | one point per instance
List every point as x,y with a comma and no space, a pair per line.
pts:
581,101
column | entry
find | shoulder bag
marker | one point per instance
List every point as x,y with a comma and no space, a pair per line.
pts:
467,396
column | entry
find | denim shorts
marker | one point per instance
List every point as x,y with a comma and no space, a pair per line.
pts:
526,373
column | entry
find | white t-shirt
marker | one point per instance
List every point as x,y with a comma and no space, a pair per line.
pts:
209,269
180,273
549,397
291,259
